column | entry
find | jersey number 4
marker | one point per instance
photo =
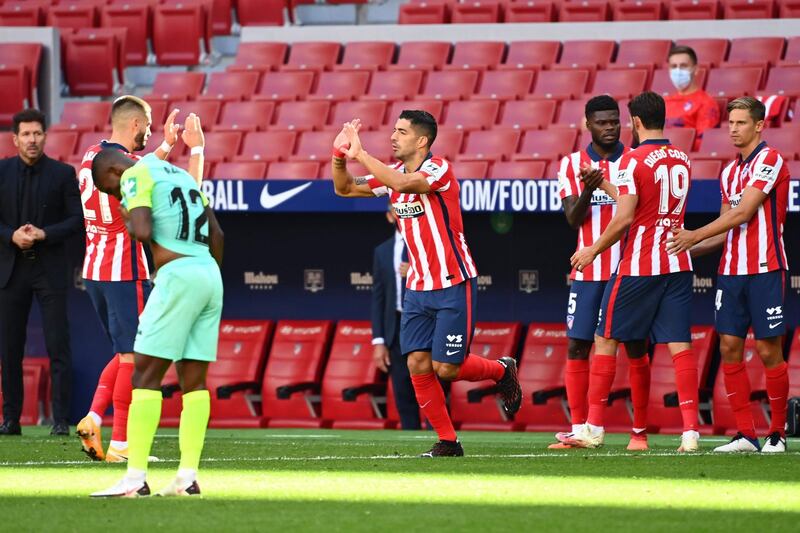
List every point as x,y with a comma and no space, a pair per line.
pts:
176,196
674,185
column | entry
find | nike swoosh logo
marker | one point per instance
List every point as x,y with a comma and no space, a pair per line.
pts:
774,399
424,405
773,326
268,201
731,394
685,402
452,353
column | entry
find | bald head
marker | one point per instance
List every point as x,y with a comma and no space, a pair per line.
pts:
130,119
107,168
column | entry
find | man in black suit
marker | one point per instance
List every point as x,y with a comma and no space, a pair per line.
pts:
390,265
40,209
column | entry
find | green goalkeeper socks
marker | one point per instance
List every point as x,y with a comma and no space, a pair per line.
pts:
192,432
143,416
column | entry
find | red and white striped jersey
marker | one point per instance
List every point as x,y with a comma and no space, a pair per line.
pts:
756,246
432,228
111,253
601,211
659,174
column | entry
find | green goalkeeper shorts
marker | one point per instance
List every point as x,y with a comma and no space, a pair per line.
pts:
181,318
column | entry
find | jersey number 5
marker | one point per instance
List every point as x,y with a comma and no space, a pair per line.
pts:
176,196
674,184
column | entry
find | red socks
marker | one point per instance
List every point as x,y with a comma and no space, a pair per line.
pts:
477,368
687,381
431,399
639,376
778,393
737,384
576,378
603,370
122,400
105,387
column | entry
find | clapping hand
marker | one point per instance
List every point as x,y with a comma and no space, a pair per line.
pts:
171,129
193,132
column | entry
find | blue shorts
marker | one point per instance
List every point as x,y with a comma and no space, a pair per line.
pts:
440,321
635,306
755,300
119,304
583,309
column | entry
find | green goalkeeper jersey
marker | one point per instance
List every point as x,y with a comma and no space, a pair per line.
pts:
178,206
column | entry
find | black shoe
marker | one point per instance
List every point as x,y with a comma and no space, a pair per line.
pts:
60,429
508,386
445,448
10,427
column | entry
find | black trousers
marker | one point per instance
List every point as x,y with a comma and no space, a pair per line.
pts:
404,397
28,280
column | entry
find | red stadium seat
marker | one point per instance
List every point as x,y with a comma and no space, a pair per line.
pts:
234,380
231,86
434,107
61,144
221,19
789,9
716,144
177,34
313,145
721,412
592,53
353,167
734,81
546,145
246,116
371,113
91,64
471,170
531,11
784,140
528,115
519,170
136,20
71,16
424,55
476,55
158,112
475,12
84,116
756,50
638,10
20,14
794,361
694,9
748,9
261,56
267,146
283,86
541,374
205,22
492,145
572,113
28,55
638,52
683,138
504,84
240,170
351,386
89,138
379,145
221,145
312,55
293,170
706,169
394,85
261,12
207,110
36,391
301,116
368,55
450,85
7,148
448,143
662,84
584,11
290,394
620,83
339,86
472,114
532,54
561,84
792,55
664,415
14,84
422,13
177,85
474,405
711,52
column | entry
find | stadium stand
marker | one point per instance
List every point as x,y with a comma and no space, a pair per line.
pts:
36,387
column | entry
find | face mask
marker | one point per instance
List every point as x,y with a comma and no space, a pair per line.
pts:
681,78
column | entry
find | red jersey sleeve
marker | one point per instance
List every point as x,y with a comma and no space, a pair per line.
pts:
435,171
627,180
567,184
768,172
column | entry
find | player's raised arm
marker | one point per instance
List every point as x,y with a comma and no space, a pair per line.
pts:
170,136
344,183
193,137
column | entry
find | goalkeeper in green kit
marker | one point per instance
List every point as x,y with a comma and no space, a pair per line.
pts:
180,322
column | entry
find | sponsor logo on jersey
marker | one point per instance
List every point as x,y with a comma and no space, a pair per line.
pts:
408,209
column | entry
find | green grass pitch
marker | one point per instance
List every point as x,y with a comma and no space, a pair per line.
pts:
295,480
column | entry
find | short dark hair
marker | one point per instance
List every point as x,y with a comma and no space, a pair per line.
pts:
757,109
128,103
682,49
108,157
29,115
423,122
650,109
600,103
